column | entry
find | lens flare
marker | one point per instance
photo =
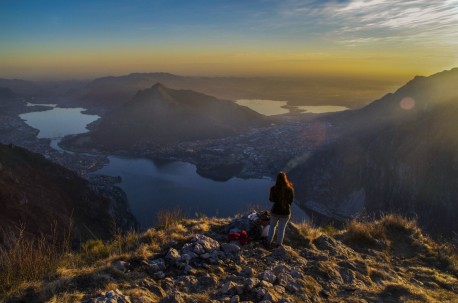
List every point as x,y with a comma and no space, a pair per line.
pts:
316,133
407,103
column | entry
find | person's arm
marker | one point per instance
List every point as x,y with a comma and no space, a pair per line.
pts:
272,197
291,196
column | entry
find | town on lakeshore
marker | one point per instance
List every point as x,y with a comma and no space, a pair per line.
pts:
257,153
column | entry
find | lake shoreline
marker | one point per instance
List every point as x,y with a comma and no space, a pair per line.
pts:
157,181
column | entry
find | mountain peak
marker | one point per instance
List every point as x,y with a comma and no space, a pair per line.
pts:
163,115
159,85
161,89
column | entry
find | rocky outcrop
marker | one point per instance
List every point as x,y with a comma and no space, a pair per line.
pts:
383,261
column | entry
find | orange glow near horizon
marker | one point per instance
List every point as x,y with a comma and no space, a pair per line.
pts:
55,40
87,64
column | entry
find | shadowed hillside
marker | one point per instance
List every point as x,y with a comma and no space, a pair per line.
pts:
38,196
398,154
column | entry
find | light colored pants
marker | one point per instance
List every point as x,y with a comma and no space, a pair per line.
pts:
282,221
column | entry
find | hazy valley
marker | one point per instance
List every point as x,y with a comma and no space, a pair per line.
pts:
396,155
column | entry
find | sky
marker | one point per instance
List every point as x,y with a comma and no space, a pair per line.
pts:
84,39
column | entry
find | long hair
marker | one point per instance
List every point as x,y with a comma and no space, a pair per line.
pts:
283,187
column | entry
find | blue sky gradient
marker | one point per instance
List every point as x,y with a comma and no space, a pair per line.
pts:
266,30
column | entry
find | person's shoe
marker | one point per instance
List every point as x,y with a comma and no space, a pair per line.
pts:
279,245
267,244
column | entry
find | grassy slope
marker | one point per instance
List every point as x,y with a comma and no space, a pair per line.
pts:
389,260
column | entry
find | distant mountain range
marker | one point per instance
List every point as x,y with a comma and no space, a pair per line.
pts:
106,93
7,97
113,91
160,115
40,195
399,154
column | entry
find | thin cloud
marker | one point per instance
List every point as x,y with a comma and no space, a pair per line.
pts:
359,22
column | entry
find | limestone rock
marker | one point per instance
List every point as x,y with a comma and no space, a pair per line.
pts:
121,265
235,299
157,264
248,272
153,287
268,276
251,283
228,287
173,255
199,249
230,248
159,275
112,296
207,243
281,268
205,256
208,280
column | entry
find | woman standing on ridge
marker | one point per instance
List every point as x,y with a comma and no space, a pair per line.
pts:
282,195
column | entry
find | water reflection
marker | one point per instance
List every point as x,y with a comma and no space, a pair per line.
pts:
321,109
154,185
176,184
272,107
59,122
265,107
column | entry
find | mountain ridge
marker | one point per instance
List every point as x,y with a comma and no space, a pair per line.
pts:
392,156
160,115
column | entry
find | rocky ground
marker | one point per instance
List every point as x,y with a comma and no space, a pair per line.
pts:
389,260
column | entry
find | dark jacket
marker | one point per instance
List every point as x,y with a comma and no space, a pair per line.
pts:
275,197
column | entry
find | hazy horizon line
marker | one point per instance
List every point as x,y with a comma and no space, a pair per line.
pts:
69,78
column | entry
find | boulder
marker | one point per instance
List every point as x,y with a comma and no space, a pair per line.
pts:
153,287
268,276
112,296
228,287
230,248
248,272
173,255
208,243
121,265
251,283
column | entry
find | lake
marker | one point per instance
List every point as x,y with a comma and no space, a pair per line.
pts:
265,107
155,185
152,186
275,107
57,122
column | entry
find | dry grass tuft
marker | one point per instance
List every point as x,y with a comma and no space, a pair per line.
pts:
363,233
66,298
306,229
393,222
200,298
329,230
396,292
168,218
29,259
200,226
144,251
301,234
383,230
444,256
